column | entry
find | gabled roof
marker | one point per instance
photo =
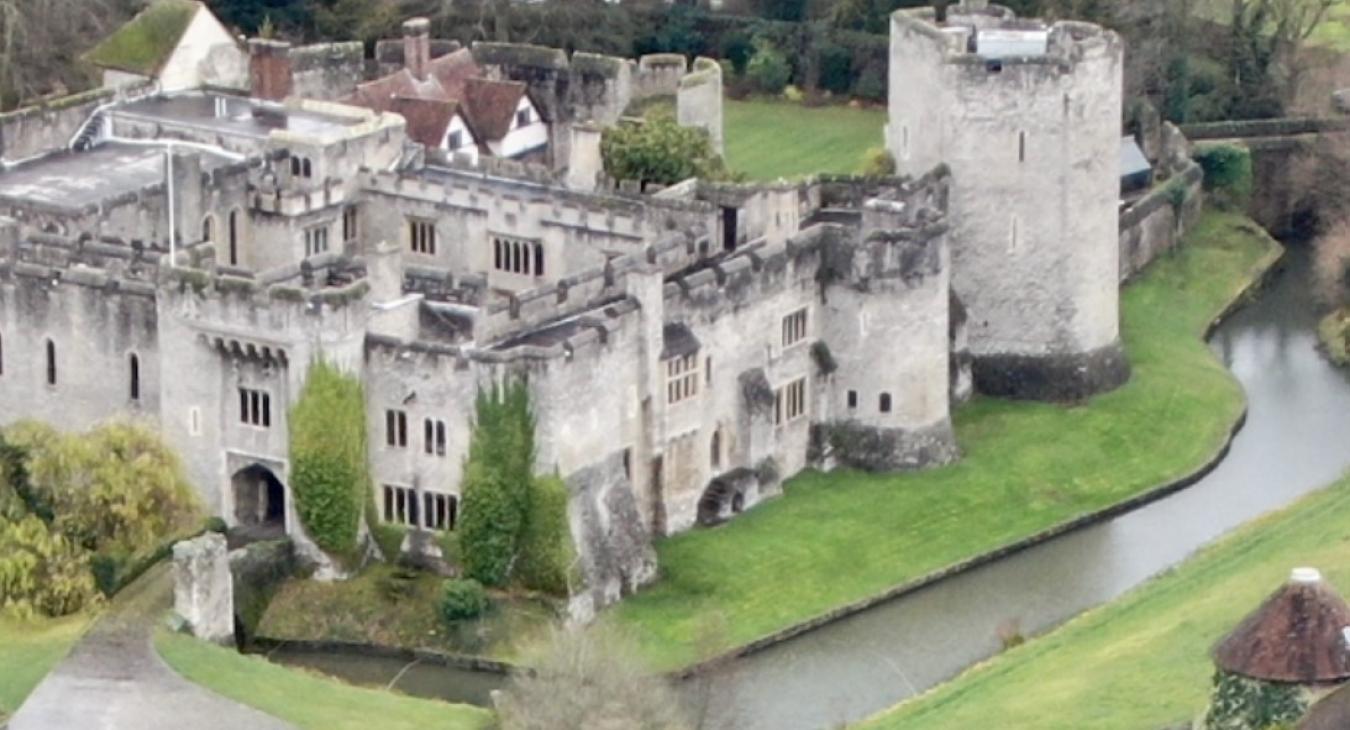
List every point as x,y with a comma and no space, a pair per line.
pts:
381,93
491,105
1300,634
428,119
146,42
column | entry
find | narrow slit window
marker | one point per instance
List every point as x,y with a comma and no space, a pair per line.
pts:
1021,146
51,363
885,403
135,365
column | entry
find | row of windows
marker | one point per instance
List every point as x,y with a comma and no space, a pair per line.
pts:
396,432
302,167
883,401
434,512
133,368
518,257
789,402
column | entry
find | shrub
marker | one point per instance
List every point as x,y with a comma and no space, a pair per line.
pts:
659,151
489,527
1228,171
871,83
546,550
117,490
768,68
589,679
793,94
328,458
461,599
877,162
41,571
836,68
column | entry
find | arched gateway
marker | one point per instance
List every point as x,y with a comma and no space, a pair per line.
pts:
259,498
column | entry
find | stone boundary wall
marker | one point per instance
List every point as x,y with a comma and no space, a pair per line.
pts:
1159,492
425,656
1157,222
1283,127
50,125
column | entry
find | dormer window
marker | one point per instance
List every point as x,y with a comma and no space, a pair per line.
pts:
456,140
523,117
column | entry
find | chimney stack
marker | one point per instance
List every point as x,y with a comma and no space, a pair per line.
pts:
417,47
269,69
584,162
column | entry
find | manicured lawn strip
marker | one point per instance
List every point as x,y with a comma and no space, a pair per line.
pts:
358,610
771,139
838,538
1143,661
31,649
305,699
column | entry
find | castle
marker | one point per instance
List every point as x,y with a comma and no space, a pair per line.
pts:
183,256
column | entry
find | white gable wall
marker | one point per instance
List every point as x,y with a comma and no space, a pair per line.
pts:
206,54
468,143
522,139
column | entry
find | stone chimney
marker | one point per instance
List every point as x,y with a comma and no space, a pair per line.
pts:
269,69
584,163
417,46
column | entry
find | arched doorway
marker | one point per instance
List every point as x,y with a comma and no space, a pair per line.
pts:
259,498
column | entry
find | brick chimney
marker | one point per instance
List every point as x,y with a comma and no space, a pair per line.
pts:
417,46
269,69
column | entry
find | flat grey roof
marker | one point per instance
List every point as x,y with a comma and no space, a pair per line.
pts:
76,179
242,116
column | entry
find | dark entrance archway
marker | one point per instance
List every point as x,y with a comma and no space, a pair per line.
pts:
259,498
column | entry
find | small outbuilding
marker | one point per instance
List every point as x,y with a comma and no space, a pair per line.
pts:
1135,171
1292,649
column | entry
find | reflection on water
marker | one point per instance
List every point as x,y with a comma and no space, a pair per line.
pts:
1293,443
410,677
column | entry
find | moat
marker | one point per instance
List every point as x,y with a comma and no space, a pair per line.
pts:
1293,443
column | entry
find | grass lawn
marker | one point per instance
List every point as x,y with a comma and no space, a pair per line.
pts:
771,139
309,701
1143,661
361,610
841,537
29,650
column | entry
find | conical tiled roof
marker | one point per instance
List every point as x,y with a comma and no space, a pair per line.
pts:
1299,635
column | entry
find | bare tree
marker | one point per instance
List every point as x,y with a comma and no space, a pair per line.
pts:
591,679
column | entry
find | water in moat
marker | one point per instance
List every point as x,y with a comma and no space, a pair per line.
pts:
1293,443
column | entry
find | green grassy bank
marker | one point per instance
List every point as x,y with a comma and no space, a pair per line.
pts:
306,700
768,139
1143,661
29,650
842,537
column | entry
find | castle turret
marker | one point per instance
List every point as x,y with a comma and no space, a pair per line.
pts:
887,312
1027,118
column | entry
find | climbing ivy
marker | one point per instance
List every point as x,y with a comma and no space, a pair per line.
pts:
1242,703
1228,171
328,458
513,524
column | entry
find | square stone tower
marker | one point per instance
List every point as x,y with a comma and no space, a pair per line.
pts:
1026,116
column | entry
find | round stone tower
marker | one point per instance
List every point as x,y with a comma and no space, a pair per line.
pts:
1026,116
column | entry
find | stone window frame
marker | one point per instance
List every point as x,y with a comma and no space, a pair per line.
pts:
316,238
134,376
209,228
400,505
515,255
255,407
440,511
422,235
682,376
795,328
790,401
351,224
434,437
51,362
395,428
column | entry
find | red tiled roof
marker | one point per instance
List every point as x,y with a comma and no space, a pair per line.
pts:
1297,635
486,106
491,105
428,119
